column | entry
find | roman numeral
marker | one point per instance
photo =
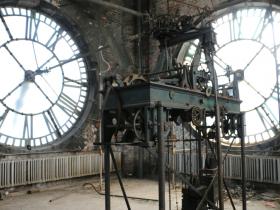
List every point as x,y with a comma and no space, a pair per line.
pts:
68,82
6,26
267,118
266,20
28,127
67,104
232,26
31,28
51,122
53,40
3,117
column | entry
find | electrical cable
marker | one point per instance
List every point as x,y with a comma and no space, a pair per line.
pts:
119,196
109,68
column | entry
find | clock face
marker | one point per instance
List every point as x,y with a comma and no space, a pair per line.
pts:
248,40
45,84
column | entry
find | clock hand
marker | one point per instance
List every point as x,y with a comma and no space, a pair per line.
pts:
23,92
40,67
253,58
34,52
14,57
63,62
10,93
251,86
40,72
41,90
84,84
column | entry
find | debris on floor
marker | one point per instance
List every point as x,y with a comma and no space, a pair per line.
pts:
270,204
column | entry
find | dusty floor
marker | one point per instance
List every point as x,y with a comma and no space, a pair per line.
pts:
74,195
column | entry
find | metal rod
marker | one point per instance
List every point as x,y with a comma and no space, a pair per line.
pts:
139,31
229,195
184,152
209,61
224,182
116,6
106,142
100,105
120,196
243,167
107,176
190,135
169,176
161,159
120,179
185,180
199,156
199,206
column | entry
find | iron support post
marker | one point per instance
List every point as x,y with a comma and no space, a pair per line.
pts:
106,143
243,166
210,64
200,155
100,105
161,158
107,176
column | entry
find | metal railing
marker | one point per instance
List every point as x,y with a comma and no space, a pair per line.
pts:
45,168
258,168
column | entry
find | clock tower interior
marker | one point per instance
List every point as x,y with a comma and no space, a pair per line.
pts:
157,104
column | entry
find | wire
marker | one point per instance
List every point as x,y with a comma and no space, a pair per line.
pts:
119,196
104,60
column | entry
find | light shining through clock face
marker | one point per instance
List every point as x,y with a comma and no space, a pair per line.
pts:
43,79
248,40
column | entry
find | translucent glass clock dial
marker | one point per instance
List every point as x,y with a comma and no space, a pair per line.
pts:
44,79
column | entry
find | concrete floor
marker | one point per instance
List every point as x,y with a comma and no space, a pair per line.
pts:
72,195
